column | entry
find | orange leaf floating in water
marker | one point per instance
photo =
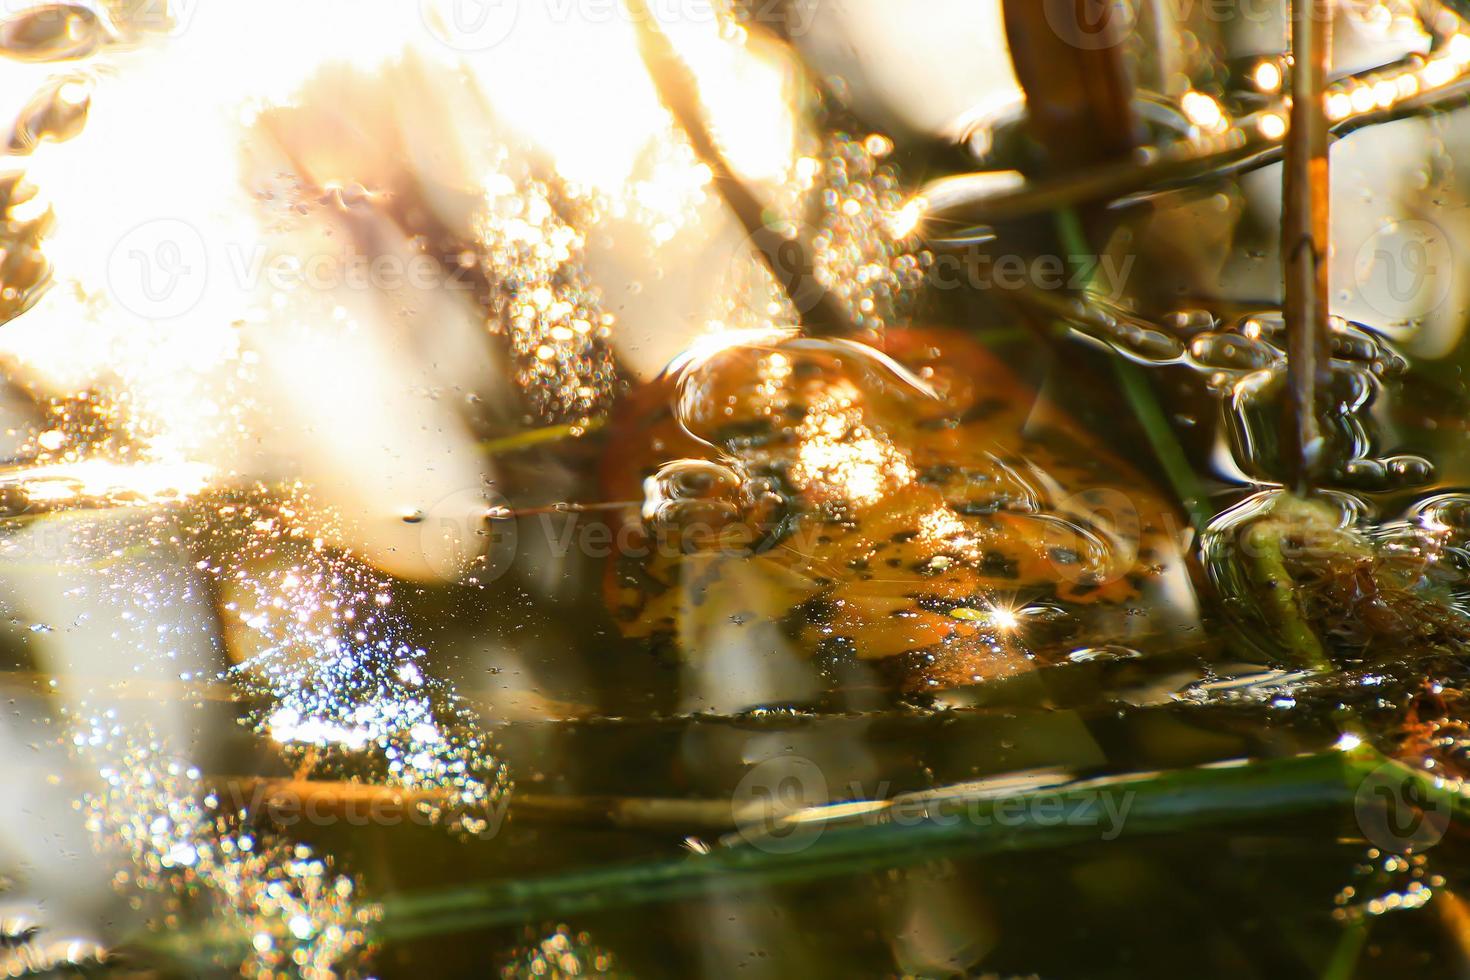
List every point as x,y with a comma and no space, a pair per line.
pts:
911,507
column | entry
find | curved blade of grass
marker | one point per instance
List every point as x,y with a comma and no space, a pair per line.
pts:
1145,405
1158,803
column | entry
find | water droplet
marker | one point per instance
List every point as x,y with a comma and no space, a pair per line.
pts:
53,32
56,113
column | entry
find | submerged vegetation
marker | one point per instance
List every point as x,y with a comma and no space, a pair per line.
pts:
862,618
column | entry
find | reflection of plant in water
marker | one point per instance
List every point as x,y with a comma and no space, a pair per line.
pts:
338,685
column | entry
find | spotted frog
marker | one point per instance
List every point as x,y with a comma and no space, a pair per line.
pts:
913,507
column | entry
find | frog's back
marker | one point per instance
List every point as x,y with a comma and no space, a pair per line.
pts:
911,507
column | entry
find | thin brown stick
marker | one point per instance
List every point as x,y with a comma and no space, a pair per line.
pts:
338,798
511,513
1074,83
789,258
1304,244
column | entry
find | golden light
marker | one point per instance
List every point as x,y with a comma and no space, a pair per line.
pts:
1271,126
1003,618
99,479
840,457
1203,111
905,221
1267,76
203,290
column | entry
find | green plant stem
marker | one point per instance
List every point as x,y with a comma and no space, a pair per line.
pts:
1145,404
936,826
1175,801
1349,949
517,441
1156,427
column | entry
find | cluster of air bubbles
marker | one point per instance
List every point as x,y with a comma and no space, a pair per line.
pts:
1265,107
1386,883
1126,332
35,958
45,34
861,250
323,660
664,199
1258,342
531,239
1245,365
845,203
289,912
560,955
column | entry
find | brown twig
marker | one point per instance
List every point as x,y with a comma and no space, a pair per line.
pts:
789,258
1185,165
1304,244
1073,84
338,798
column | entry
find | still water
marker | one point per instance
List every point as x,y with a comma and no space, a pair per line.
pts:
431,545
